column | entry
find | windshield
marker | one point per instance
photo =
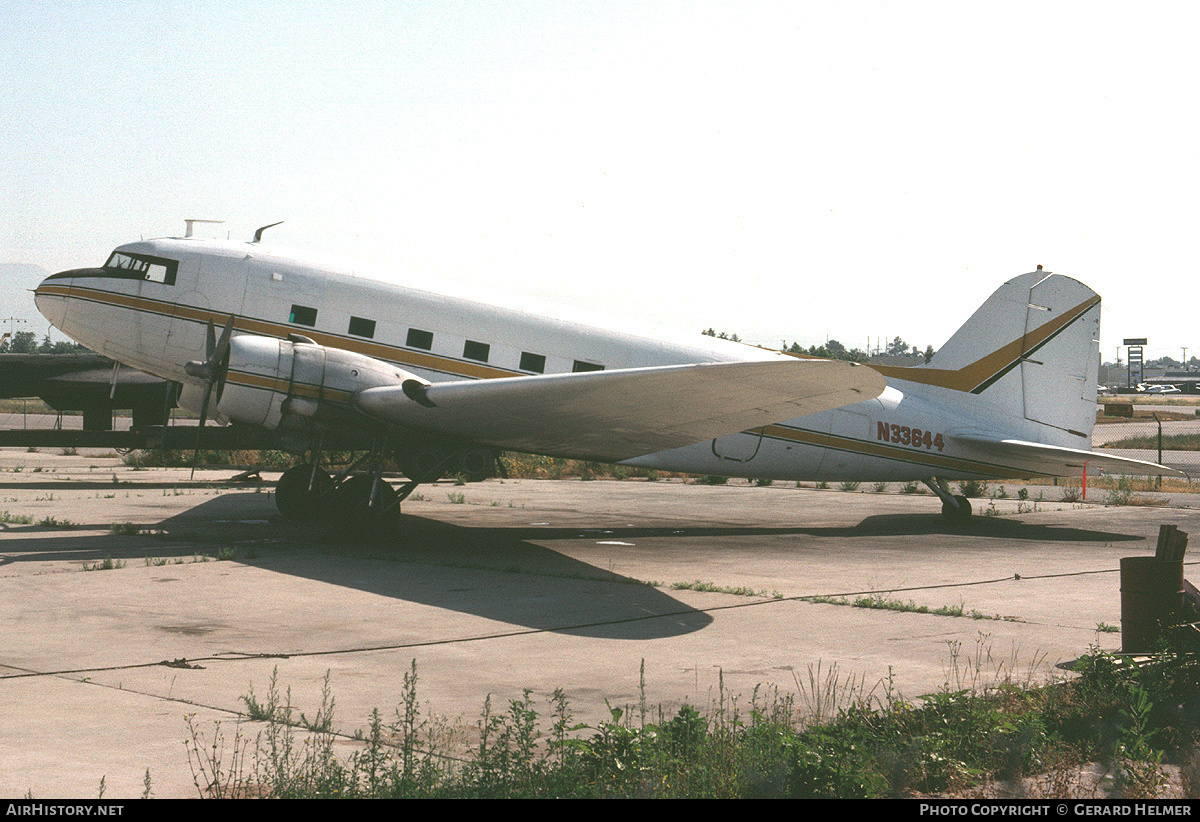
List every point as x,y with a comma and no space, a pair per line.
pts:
142,267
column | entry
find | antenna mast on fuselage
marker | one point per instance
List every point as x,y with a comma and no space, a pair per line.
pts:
190,223
258,234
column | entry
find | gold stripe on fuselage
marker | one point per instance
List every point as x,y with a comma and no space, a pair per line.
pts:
896,453
388,353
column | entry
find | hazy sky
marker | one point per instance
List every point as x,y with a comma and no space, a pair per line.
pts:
791,170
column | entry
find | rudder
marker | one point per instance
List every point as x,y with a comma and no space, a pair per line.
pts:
1031,350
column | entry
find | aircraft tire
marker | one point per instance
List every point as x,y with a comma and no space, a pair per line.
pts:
959,512
350,503
294,499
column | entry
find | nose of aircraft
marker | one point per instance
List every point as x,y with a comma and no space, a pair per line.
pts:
51,295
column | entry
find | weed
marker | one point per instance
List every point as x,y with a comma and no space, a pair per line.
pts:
107,564
457,497
125,529
972,489
1071,491
879,603
722,589
270,711
837,736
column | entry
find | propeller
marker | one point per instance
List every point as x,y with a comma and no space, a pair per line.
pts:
212,371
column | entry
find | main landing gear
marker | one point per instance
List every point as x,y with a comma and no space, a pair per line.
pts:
955,507
308,493
358,498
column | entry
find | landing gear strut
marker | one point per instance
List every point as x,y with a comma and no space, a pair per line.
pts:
358,498
359,501
955,507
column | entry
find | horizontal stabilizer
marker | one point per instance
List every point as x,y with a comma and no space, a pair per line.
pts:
620,414
1055,460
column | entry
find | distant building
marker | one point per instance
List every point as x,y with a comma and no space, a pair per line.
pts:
1186,381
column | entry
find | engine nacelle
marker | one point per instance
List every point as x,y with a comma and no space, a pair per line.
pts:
295,383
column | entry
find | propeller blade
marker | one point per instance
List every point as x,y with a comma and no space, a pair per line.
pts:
220,359
221,348
213,370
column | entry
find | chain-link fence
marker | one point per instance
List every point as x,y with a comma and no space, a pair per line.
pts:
1167,434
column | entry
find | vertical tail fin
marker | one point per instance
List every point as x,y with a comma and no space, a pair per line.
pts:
1031,350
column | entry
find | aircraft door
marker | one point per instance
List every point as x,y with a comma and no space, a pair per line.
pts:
186,336
160,300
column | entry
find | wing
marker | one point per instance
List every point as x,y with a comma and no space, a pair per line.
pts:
1054,460
620,414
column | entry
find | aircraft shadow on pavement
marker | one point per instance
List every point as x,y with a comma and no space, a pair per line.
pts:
887,525
489,573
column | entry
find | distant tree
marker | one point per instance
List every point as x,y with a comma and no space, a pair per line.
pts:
832,350
897,348
929,352
23,342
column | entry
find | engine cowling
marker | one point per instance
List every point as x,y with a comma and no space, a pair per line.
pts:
294,383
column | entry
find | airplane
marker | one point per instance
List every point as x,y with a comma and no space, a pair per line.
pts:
315,355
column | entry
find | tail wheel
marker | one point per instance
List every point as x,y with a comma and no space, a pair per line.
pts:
300,492
958,511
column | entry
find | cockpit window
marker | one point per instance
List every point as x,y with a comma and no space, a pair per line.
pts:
142,267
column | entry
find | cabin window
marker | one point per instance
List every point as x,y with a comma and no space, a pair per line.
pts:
580,365
303,315
533,362
362,328
476,350
419,339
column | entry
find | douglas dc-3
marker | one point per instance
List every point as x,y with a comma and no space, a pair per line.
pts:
261,338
